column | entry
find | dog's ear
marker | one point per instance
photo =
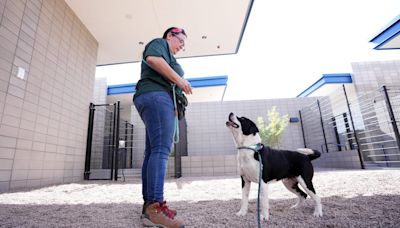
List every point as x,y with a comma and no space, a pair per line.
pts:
253,128
248,126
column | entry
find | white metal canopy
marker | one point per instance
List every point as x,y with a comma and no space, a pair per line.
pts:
123,27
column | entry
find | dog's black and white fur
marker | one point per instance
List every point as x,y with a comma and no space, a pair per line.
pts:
292,167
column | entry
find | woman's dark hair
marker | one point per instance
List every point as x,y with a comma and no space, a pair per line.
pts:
174,31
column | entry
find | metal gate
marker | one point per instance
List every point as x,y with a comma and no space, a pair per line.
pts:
109,143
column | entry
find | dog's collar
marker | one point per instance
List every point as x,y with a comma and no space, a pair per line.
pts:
256,147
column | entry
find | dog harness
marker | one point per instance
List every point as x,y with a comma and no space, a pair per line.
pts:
256,148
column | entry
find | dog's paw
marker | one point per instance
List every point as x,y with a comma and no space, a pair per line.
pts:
294,205
317,213
241,213
265,217
298,203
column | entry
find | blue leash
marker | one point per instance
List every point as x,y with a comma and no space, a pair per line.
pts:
176,129
257,149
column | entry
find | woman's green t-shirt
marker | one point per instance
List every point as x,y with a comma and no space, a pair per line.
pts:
151,80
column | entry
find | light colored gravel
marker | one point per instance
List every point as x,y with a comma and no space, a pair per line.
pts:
357,198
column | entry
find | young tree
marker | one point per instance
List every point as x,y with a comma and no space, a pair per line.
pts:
271,134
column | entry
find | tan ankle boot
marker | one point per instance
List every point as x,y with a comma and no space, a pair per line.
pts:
164,202
157,214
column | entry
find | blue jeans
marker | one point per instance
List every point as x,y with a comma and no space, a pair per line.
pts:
157,112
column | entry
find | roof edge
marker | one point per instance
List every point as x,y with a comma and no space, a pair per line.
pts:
339,78
389,31
210,81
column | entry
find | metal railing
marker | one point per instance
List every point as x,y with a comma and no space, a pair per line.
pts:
367,122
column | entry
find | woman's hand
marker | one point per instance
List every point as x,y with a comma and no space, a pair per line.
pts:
162,67
184,85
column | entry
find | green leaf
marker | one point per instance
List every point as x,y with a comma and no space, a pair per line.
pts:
271,134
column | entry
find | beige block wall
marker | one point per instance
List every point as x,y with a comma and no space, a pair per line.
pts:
207,134
205,166
43,113
370,76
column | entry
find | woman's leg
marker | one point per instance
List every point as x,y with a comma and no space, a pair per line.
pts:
144,169
157,112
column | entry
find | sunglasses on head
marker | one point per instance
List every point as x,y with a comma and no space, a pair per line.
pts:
178,30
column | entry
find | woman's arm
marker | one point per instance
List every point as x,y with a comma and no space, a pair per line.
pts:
161,66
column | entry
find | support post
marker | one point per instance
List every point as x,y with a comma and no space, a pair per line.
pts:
392,116
339,147
354,129
131,159
322,125
89,138
302,129
116,140
347,126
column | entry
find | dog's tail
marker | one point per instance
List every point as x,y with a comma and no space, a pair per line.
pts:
311,154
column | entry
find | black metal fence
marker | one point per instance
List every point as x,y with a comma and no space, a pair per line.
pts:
108,147
367,122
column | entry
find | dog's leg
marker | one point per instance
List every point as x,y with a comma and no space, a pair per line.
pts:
309,188
264,201
245,197
292,185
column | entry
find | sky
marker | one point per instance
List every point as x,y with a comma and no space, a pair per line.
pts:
287,46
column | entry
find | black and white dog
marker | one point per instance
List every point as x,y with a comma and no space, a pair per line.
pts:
292,167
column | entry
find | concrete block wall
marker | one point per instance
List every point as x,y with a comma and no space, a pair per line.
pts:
195,166
369,76
218,165
339,159
209,141
208,135
44,107
100,91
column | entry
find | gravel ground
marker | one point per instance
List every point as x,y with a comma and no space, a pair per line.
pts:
350,198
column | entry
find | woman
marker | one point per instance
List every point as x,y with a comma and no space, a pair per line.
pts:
153,101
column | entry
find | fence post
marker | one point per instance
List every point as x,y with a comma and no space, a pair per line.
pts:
113,143
89,138
131,160
339,147
346,124
116,151
110,138
322,125
354,129
302,129
392,116
126,144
